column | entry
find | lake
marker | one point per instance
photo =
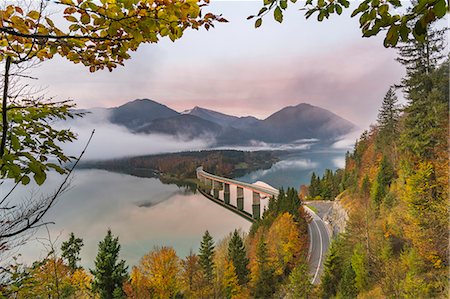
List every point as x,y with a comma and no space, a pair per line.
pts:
145,213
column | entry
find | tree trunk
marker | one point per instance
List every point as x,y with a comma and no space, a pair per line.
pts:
5,106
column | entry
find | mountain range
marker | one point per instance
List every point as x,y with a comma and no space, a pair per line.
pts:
289,124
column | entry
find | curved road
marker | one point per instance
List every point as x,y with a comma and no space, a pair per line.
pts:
318,246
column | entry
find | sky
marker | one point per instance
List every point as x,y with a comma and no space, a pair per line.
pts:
239,70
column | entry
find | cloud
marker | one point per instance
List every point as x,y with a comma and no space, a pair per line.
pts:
294,164
256,145
347,141
114,141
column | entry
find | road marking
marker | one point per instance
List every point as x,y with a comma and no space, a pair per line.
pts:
310,243
321,252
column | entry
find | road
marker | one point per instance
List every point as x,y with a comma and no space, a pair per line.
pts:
319,242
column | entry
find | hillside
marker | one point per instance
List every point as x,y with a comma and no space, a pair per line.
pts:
396,191
290,124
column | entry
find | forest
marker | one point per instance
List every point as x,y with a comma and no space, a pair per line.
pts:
396,181
269,261
183,165
396,177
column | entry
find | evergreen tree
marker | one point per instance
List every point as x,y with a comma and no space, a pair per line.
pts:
109,274
382,182
71,251
312,190
388,118
206,256
426,87
299,282
347,287
420,58
359,265
265,282
237,254
332,271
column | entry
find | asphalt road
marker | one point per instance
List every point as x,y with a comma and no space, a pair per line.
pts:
319,242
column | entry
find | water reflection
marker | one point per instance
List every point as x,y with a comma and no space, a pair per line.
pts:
143,212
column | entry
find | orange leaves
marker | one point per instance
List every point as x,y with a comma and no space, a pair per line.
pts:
156,275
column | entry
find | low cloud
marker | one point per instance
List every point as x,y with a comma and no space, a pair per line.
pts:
347,141
114,141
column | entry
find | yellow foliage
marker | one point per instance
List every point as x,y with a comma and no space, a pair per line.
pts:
156,274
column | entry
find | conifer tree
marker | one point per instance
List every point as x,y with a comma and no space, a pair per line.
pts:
109,273
388,118
265,282
347,287
299,282
206,256
71,251
332,271
313,186
237,254
382,182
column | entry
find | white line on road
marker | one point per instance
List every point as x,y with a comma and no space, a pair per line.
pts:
321,252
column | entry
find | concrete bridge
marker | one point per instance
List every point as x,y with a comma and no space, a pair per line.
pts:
231,194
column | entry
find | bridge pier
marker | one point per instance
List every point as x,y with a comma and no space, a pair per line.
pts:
256,207
208,185
226,193
240,198
216,187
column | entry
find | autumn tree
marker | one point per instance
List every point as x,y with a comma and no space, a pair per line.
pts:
98,34
285,245
109,273
156,275
230,281
71,251
191,277
237,255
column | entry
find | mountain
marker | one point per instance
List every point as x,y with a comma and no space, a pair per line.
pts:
138,113
183,125
223,119
303,121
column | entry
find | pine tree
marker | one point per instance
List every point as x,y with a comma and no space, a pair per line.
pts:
382,182
109,274
332,273
206,256
359,265
237,254
71,251
421,58
347,287
388,118
426,88
299,282
313,186
265,282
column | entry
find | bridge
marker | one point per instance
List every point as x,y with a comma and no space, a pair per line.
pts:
230,193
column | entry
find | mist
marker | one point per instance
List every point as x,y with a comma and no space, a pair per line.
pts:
114,141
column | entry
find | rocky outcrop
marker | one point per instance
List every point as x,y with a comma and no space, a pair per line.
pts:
336,218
